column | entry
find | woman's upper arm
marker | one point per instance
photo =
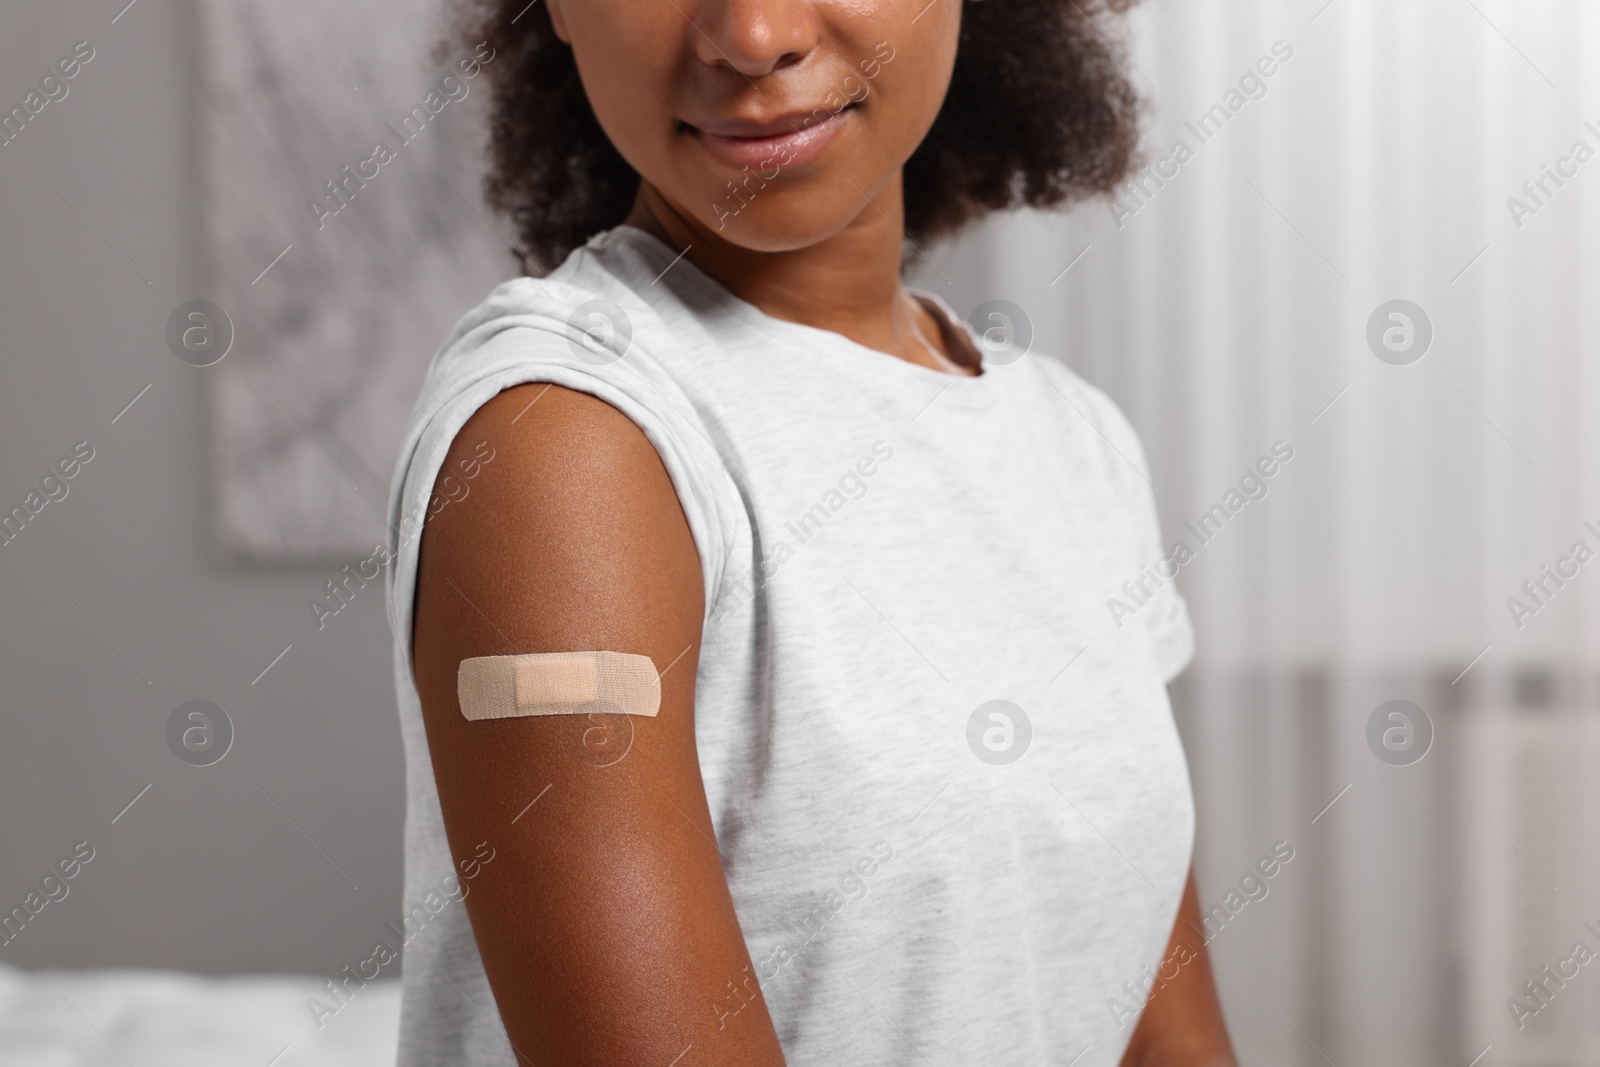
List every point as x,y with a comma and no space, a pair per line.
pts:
605,923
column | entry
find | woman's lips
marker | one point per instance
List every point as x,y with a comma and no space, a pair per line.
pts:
785,142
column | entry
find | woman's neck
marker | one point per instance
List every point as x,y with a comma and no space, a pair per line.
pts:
848,283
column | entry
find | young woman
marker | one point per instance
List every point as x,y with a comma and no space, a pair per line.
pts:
910,794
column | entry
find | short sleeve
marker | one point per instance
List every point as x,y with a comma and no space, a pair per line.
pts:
505,349
1165,615
1171,632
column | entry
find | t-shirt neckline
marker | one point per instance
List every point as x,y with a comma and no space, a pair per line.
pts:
966,391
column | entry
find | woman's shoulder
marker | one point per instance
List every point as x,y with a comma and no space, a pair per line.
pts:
586,329
586,289
584,325
1100,439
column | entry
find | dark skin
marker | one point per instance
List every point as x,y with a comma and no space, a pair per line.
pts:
1181,1025
821,242
605,923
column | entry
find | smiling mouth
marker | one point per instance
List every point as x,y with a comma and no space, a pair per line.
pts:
788,141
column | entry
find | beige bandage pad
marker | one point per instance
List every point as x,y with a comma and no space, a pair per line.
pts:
558,683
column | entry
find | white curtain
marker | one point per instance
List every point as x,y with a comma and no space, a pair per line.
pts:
1226,308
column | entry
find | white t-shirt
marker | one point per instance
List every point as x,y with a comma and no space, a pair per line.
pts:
922,877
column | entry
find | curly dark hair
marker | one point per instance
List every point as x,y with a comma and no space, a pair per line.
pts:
1040,112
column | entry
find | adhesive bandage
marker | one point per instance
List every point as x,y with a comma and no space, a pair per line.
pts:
558,683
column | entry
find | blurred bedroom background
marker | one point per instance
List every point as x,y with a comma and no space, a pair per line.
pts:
1375,248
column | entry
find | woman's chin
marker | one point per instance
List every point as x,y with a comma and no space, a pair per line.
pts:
781,221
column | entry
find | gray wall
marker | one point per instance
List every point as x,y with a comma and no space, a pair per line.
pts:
202,873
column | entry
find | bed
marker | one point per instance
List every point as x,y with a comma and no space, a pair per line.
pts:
151,1018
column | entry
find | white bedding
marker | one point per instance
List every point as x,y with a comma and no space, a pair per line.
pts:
113,1018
